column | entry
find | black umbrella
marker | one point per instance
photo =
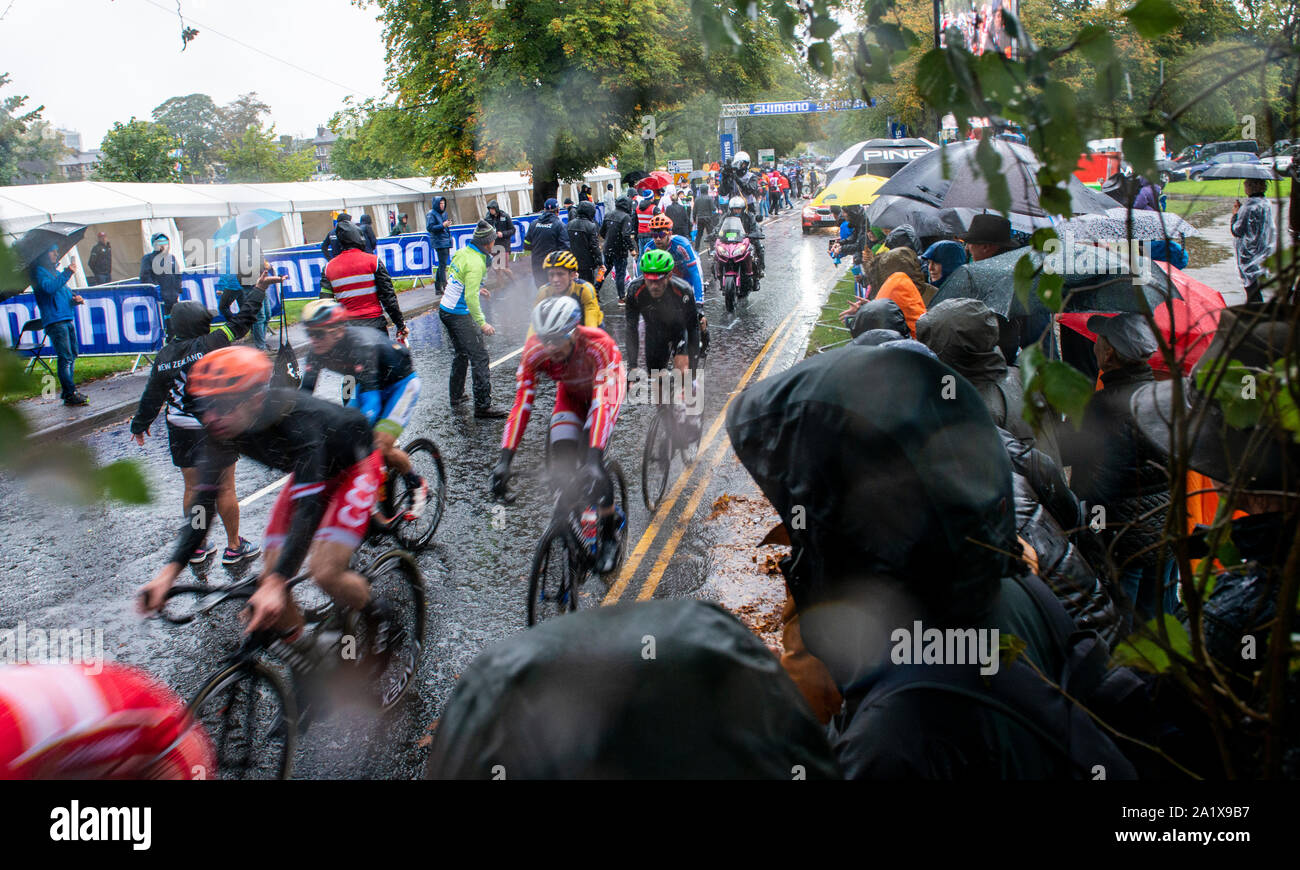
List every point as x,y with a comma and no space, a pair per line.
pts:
1240,170
965,190
1104,284
631,178
36,241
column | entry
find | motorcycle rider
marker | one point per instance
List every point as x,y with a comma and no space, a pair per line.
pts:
736,208
738,180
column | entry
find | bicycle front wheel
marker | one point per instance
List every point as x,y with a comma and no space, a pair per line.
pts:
555,576
656,462
250,714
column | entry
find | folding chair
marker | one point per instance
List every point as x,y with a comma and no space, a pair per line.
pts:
34,326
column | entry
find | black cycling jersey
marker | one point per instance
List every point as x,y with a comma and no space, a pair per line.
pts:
374,359
313,439
669,320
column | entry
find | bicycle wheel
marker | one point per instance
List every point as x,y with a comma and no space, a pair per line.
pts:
251,717
555,576
426,461
656,462
620,501
395,578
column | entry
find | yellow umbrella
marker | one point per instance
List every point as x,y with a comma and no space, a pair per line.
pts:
859,190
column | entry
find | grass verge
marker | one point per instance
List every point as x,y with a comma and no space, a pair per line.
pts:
1223,187
829,331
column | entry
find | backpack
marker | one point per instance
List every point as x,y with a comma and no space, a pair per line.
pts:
285,372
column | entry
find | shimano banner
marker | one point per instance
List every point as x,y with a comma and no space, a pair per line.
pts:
126,318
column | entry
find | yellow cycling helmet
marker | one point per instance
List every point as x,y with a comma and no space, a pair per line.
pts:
561,260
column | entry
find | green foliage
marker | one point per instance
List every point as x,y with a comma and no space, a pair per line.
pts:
139,151
257,157
21,136
1052,387
1145,650
197,124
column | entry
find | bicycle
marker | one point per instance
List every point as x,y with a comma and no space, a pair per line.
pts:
393,509
668,435
566,553
249,710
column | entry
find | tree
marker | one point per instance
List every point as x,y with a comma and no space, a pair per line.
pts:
510,84
367,149
197,124
257,156
14,132
139,151
240,114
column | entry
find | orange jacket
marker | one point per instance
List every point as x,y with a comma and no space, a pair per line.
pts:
900,288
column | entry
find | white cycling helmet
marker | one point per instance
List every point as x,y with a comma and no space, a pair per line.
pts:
741,157
736,202
555,318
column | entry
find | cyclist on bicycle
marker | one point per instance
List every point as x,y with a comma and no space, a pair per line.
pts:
323,510
590,385
561,268
687,264
380,379
672,326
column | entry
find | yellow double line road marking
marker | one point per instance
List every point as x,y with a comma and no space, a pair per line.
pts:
665,508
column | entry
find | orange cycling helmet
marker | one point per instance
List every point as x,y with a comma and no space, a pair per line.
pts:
661,222
229,371
561,259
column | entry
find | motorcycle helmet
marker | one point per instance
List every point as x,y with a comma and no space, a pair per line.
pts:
736,202
741,161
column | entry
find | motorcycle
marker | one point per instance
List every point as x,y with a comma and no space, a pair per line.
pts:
734,266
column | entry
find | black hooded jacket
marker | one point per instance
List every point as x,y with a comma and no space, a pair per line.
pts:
191,340
503,224
584,237
620,229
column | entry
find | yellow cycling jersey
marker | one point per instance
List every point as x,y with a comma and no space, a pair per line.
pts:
585,295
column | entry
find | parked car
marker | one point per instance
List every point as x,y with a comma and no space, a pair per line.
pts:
1280,158
1170,170
1194,170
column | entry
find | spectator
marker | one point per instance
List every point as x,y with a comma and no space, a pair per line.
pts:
989,235
392,223
584,193
879,314
1254,237
505,237
1148,196
942,259
463,318
610,199
101,261
368,230
402,226
193,338
645,211
1168,251
584,235
439,223
681,218
703,215
783,184
942,552
545,235
330,246
161,269
1116,468
361,283
903,236
55,302
620,240
569,211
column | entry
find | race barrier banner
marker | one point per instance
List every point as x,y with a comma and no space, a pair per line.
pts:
116,319
120,319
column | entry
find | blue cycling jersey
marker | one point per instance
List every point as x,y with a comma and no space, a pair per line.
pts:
687,261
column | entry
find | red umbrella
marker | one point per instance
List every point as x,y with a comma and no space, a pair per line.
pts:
1195,317
656,180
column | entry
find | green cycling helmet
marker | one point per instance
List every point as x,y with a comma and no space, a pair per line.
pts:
657,262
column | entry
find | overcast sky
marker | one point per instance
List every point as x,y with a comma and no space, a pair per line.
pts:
93,62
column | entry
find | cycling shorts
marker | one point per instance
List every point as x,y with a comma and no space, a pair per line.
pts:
573,415
351,494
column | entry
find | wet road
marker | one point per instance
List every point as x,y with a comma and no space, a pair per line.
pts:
76,567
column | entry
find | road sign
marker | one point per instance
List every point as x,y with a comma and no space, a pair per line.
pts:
675,166
767,155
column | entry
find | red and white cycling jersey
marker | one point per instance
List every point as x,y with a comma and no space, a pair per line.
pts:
60,722
594,370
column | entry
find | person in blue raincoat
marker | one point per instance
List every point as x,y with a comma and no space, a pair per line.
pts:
440,239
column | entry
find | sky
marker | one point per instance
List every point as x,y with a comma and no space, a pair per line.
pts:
93,62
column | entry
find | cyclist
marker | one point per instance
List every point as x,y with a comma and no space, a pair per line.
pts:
379,378
687,265
736,208
561,269
323,510
65,722
672,326
590,384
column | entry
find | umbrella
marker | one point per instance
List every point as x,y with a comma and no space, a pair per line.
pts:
249,221
630,179
965,190
656,180
860,190
1114,224
1187,323
699,173
1108,285
1240,170
62,235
